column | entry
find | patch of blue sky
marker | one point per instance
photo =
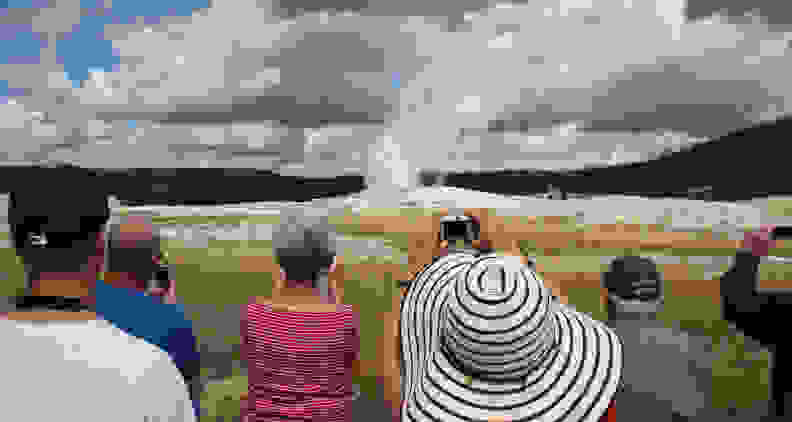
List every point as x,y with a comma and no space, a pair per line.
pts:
155,8
3,92
85,47
8,90
19,44
24,4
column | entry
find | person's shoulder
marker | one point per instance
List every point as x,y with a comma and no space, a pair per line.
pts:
100,342
143,360
173,317
163,392
101,356
138,350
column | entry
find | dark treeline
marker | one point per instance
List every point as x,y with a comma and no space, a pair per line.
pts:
745,164
185,186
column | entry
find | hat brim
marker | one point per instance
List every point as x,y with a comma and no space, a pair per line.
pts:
576,384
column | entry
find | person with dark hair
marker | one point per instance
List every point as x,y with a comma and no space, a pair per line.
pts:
757,313
134,256
286,380
126,299
667,373
634,288
62,358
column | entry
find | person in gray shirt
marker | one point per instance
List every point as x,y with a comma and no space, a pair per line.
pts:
667,373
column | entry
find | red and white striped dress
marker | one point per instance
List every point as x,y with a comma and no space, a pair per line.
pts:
299,363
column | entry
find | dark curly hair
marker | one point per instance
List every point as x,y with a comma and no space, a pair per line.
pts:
55,216
625,270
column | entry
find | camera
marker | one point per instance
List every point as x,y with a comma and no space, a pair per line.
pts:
459,231
160,279
782,232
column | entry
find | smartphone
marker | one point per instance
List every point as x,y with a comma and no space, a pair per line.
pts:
770,284
782,232
460,228
161,278
456,229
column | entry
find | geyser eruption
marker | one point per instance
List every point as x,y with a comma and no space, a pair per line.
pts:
549,61
388,170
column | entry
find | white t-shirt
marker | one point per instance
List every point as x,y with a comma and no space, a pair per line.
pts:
86,371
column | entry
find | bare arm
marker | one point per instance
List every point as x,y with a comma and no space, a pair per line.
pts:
357,367
243,343
391,354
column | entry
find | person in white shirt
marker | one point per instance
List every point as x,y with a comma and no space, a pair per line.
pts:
86,370
59,360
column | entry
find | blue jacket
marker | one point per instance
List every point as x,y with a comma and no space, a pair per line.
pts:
163,325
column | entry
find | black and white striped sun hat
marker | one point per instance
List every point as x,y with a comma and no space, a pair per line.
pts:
483,338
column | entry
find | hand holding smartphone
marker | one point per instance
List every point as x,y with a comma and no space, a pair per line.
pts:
161,284
459,231
761,244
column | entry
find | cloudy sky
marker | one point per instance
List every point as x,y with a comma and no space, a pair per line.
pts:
385,87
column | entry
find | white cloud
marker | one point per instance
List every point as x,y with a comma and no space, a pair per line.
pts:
501,41
581,65
236,49
14,116
263,79
469,104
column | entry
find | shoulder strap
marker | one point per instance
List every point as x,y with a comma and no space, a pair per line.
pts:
53,303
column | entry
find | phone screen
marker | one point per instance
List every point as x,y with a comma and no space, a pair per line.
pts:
775,275
783,232
161,279
456,230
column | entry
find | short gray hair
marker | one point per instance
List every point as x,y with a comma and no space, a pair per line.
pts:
304,246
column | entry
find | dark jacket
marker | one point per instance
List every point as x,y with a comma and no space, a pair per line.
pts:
756,314
761,316
163,325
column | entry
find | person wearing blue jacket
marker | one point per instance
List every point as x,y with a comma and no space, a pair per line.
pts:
125,299
121,298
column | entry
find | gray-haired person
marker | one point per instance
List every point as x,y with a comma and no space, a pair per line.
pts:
304,311
667,373
305,249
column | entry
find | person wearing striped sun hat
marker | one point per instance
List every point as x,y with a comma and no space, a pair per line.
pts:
482,339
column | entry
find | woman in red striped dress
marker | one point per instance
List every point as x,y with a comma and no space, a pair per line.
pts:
302,345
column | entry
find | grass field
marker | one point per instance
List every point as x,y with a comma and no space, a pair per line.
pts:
740,379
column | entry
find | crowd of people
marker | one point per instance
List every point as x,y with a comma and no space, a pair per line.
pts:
475,337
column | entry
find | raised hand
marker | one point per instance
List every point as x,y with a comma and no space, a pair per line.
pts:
759,242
